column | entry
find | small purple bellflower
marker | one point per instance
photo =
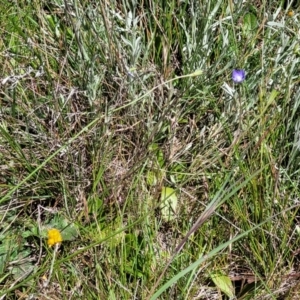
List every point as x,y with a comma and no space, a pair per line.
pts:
238,75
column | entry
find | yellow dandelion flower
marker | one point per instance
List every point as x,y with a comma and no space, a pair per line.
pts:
54,237
290,13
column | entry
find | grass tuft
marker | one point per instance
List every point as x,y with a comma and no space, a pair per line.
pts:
121,128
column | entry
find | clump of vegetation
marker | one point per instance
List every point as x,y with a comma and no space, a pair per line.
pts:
159,141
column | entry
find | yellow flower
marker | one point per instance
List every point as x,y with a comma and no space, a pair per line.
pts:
54,237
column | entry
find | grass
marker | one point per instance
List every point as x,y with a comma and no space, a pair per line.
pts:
121,127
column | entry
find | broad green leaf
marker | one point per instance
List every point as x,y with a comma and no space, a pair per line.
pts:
155,177
159,154
151,178
224,283
70,233
32,230
169,203
250,23
20,270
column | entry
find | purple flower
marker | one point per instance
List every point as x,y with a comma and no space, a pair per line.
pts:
238,75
